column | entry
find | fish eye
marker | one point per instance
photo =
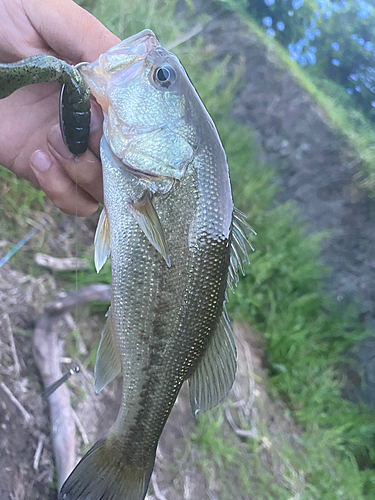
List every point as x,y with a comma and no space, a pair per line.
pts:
164,76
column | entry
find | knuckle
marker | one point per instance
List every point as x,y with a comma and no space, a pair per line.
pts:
87,174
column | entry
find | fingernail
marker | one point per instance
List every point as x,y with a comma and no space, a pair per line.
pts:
40,161
56,141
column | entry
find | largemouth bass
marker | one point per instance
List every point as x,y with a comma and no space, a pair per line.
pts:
175,241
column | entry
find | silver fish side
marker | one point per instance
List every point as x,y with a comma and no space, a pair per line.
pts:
167,320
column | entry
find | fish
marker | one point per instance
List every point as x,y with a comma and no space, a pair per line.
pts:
176,244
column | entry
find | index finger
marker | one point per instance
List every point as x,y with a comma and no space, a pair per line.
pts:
72,32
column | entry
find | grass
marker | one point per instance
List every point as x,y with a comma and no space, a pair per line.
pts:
20,209
307,333
273,467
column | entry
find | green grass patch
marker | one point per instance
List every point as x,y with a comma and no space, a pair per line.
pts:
308,333
20,207
18,196
273,465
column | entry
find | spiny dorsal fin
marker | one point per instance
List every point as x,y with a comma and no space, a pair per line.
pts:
215,374
238,254
102,241
108,362
146,216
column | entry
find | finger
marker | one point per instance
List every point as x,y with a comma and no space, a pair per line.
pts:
60,189
70,30
86,171
96,127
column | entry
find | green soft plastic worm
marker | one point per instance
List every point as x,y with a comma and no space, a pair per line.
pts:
74,101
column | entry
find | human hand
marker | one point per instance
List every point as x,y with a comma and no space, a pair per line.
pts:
30,139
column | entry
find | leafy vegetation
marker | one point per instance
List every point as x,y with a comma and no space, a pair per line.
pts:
20,210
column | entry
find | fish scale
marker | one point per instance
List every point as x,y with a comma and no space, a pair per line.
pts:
168,222
189,313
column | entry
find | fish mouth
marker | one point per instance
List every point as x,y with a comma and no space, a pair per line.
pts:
139,44
132,49
119,65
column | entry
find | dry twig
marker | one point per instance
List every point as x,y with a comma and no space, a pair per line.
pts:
237,430
17,365
38,453
60,264
26,415
158,494
80,427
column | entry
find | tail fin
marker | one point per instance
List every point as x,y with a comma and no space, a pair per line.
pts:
103,474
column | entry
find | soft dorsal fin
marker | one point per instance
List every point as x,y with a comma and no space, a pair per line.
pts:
108,362
215,374
238,253
102,241
148,219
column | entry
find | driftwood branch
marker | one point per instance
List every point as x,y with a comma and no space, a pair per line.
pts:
60,264
47,354
78,297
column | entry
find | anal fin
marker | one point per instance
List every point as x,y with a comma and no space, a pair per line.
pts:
147,218
108,362
102,241
215,374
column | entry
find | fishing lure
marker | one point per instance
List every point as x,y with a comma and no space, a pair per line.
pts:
74,98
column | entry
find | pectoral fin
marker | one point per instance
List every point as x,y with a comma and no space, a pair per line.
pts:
214,376
146,216
102,241
108,362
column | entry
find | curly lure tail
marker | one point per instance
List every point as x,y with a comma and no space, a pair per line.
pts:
105,474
